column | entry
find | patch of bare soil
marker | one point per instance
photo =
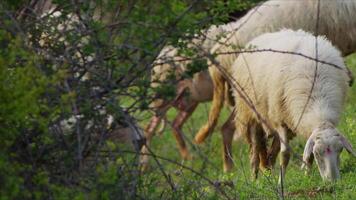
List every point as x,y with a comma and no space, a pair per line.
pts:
313,192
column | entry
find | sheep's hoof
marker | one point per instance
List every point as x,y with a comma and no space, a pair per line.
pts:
201,135
265,168
228,168
185,154
254,176
306,169
198,140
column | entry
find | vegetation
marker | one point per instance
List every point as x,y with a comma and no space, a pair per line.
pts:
66,67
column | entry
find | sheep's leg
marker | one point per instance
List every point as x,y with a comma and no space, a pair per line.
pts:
275,147
285,152
227,131
273,151
254,151
259,149
307,165
262,148
216,106
155,121
249,132
149,132
177,125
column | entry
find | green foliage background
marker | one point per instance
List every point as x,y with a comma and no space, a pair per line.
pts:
42,66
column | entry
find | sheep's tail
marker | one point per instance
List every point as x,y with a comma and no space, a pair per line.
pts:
217,103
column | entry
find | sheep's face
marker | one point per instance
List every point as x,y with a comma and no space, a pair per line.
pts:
327,149
326,146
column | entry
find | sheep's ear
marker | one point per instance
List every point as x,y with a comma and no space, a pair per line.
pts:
308,149
347,145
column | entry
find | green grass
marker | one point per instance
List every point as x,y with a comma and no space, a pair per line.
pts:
207,161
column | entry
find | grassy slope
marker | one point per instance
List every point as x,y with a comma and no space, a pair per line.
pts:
207,160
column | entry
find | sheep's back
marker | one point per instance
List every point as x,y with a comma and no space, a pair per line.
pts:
336,19
279,83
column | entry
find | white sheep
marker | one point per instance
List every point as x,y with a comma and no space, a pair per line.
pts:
279,86
337,20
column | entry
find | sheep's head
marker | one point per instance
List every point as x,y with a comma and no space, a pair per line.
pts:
326,145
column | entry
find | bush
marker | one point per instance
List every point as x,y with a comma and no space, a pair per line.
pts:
66,67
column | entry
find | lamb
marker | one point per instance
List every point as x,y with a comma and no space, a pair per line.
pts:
271,16
294,95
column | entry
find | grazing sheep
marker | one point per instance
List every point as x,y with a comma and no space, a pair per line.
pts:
337,21
295,95
335,16
200,89
126,131
132,135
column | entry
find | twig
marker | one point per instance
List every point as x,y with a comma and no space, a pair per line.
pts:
316,66
214,184
77,125
166,176
282,183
